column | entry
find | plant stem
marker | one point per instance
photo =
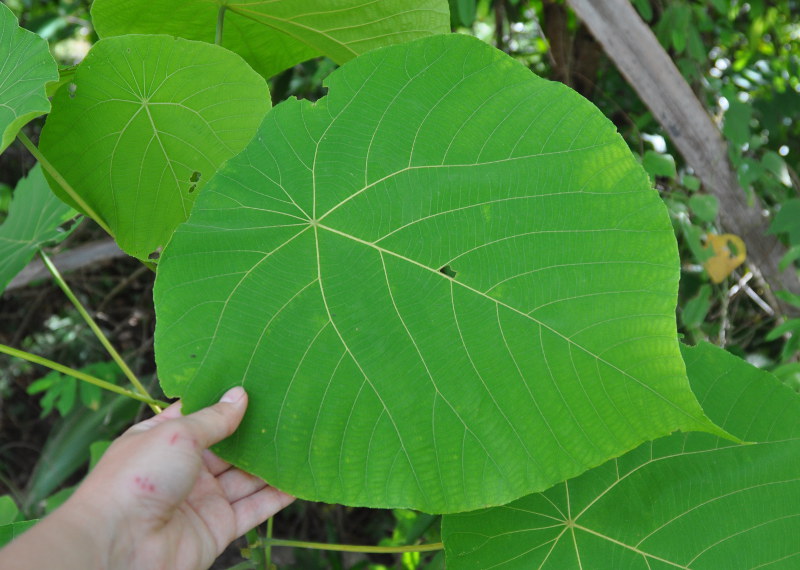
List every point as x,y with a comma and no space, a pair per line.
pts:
79,375
96,330
355,547
268,545
62,182
220,24
256,547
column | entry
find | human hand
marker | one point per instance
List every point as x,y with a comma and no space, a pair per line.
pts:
159,499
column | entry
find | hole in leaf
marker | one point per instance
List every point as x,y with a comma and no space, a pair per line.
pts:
155,255
192,188
195,176
732,248
446,270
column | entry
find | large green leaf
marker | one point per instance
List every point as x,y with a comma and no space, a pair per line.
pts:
273,36
33,220
26,66
444,284
685,501
146,123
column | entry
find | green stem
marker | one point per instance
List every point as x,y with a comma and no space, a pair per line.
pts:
62,182
220,24
355,547
268,545
256,550
79,375
96,330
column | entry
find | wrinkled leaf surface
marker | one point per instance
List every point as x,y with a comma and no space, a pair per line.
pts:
33,220
26,67
444,284
685,501
272,36
146,123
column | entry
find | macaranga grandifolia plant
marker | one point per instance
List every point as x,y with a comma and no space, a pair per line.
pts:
447,285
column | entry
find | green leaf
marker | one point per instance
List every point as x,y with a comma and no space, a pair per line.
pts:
9,532
684,501
27,67
462,12
445,283
8,510
147,122
691,183
696,309
657,164
32,222
273,36
644,9
787,220
737,122
704,206
96,451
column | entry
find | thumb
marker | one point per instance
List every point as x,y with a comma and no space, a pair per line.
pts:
213,424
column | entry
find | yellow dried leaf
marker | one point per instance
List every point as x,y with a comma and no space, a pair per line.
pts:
729,253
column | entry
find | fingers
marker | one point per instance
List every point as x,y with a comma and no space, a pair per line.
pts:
214,464
237,484
253,510
213,424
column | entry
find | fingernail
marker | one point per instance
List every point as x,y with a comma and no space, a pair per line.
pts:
233,395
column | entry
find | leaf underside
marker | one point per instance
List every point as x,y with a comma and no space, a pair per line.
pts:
144,126
26,66
273,36
444,285
684,501
33,220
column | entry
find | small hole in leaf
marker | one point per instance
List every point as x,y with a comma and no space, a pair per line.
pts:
155,255
446,270
192,188
732,248
71,89
192,356
195,176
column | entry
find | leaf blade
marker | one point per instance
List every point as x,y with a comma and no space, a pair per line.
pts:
27,68
687,501
274,36
344,325
141,131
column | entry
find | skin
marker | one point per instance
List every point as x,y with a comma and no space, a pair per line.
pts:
157,499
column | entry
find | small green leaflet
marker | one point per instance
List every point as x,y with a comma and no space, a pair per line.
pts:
26,67
146,123
684,501
32,222
445,284
273,36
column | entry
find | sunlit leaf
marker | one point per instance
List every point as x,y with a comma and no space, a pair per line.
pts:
444,284
32,221
146,123
684,501
272,36
26,67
